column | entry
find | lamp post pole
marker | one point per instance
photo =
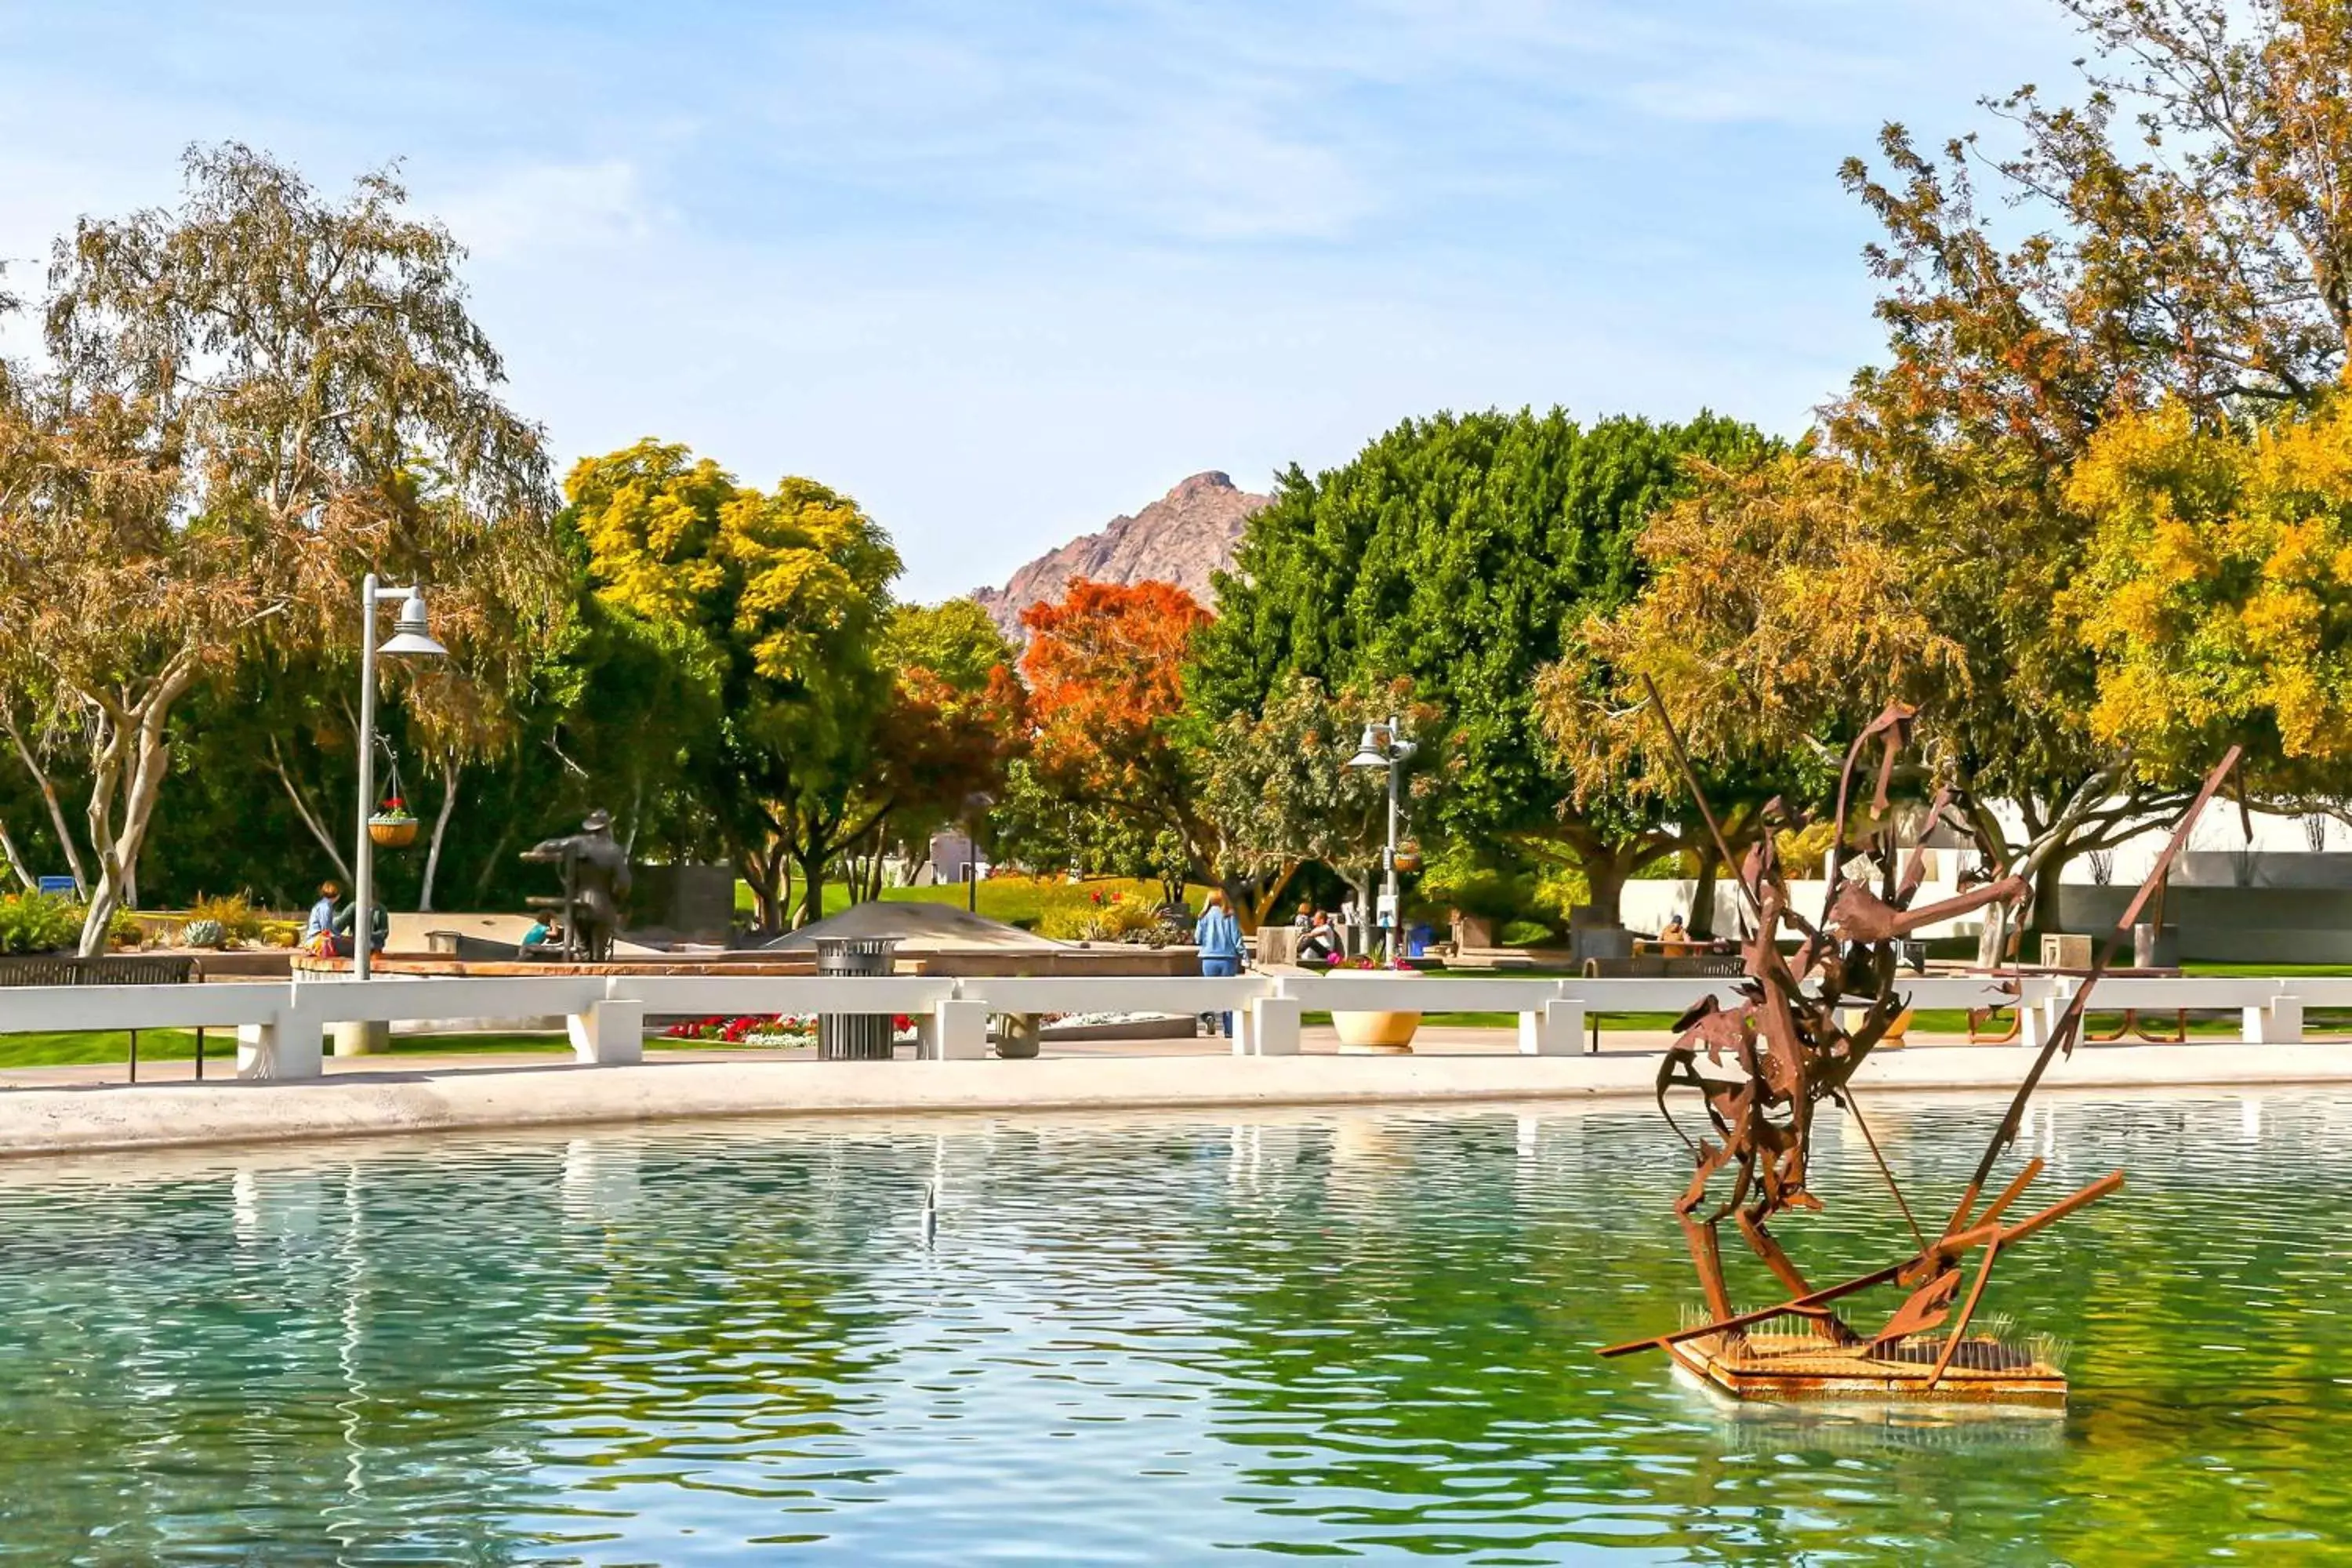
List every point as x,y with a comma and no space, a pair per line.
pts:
363,865
1388,861
408,636
1385,747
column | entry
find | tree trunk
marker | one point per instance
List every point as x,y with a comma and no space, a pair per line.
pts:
2046,893
1605,874
48,786
811,908
141,730
453,771
1253,899
762,870
1701,923
309,818
1363,891
16,861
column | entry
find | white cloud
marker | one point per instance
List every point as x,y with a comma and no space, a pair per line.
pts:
547,210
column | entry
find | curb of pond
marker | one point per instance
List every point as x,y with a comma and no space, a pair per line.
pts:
99,1119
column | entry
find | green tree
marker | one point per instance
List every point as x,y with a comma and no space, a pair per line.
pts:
951,726
1458,554
1276,788
774,604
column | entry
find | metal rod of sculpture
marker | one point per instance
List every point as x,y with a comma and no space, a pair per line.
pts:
1790,1048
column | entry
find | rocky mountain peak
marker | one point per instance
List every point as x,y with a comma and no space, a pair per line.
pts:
1182,538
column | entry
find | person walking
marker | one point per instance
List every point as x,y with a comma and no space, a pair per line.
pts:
1218,935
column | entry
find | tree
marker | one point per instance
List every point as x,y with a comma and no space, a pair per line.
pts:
1276,789
953,723
239,398
2184,234
2219,596
1105,669
774,603
1457,553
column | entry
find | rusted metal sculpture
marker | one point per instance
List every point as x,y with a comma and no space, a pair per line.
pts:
1790,1044
595,879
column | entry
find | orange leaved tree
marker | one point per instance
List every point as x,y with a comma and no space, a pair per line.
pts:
1105,668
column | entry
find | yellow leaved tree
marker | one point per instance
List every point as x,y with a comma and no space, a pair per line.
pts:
2218,595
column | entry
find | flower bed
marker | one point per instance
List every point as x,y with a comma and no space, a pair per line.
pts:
781,1031
770,1031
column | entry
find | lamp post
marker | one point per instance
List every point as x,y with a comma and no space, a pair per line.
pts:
409,638
1384,746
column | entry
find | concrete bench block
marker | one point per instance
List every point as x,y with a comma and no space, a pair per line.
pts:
1273,1028
288,1049
2280,1024
956,1032
1557,1029
609,1034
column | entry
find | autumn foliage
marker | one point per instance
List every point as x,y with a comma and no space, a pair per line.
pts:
1105,670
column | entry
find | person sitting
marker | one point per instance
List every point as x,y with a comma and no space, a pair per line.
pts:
319,931
1674,931
536,940
1321,944
346,924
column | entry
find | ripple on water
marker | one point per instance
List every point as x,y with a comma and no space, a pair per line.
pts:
1142,1340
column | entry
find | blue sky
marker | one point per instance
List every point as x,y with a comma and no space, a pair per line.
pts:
1003,271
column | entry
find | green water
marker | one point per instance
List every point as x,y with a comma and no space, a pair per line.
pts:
1133,1341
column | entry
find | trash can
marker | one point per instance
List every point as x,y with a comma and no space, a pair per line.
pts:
854,1036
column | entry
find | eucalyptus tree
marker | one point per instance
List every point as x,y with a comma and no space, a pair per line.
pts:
246,400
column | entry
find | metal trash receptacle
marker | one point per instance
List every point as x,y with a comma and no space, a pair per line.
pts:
854,1036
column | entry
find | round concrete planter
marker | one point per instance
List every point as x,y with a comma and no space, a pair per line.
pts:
1383,1034
368,1037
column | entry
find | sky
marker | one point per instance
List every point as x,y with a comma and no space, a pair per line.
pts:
1001,271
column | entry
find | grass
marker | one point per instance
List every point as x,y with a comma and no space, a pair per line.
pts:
102,1046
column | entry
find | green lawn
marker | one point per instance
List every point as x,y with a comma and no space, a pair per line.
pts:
106,1046
1016,901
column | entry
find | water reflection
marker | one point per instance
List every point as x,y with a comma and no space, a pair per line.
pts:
1142,1340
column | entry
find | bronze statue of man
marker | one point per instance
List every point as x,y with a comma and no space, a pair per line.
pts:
595,880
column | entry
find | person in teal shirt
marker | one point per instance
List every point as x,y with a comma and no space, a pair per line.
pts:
1219,937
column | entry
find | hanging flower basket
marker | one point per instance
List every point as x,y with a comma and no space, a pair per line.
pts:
392,828
1408,855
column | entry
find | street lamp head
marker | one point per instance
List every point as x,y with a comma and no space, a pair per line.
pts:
1373,750
408,633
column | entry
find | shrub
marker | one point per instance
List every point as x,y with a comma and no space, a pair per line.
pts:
1130,918
202,933
37,923
234,916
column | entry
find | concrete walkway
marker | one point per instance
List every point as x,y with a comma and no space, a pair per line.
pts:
413,1094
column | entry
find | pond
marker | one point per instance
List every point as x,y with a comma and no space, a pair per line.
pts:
1145,1341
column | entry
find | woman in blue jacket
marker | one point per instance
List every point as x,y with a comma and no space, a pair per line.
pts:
1219,937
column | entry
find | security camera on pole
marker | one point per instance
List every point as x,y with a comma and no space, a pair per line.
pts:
1384,746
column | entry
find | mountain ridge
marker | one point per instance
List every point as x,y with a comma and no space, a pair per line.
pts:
1182,538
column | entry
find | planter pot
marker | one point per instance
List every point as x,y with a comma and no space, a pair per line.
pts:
393,832
1387,1032
1898,1033
1376,1034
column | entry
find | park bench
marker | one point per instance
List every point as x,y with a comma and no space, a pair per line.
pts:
109,969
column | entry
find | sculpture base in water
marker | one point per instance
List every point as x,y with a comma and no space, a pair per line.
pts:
1803,1366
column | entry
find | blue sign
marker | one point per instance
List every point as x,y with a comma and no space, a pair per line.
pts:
57,885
